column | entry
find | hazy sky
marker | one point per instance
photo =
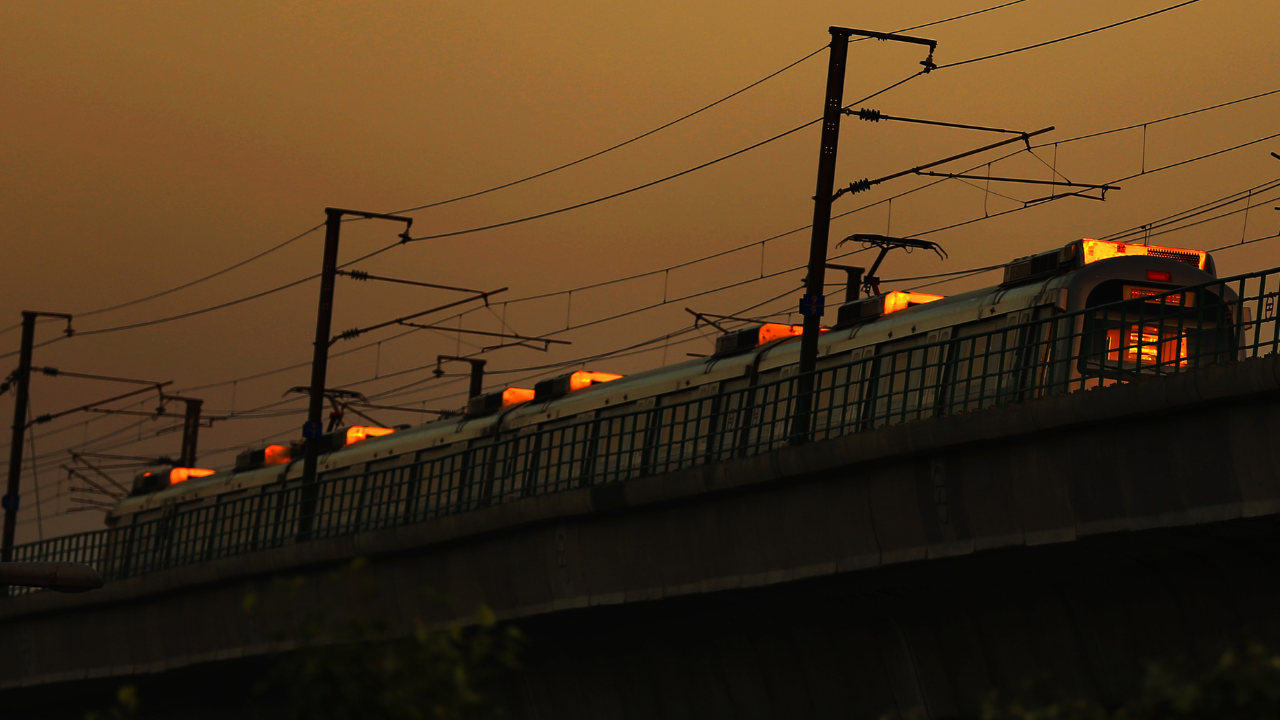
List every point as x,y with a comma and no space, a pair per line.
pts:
148,144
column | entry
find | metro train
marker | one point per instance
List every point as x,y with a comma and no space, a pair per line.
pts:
894,357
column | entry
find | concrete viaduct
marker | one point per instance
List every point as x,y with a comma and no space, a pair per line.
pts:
907,570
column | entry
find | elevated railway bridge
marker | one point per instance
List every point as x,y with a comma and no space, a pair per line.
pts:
1064,494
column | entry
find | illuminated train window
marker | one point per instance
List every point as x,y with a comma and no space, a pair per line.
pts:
1147,345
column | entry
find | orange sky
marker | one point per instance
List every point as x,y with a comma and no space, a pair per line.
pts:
147,144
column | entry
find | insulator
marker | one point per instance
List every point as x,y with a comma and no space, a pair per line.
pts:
50,371
348,334
358,275
869,115
860,185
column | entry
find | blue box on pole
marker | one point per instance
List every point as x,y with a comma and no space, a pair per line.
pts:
813,305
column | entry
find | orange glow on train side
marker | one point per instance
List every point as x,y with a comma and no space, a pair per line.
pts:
776,331
360,432
511,396
1095,250
898,300
276,455
583,378
178,475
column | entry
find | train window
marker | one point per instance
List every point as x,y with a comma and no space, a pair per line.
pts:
684,427
975,367
1150,336
620,441
832,384
899,385
561,452
434,486
383,496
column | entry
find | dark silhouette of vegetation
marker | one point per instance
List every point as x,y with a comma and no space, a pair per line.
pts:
1243,685
124,708
354,668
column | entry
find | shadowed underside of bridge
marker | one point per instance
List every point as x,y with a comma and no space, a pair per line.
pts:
906,570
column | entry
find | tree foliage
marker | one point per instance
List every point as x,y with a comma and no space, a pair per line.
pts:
1243,685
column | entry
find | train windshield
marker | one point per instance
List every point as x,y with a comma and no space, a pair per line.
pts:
1155,330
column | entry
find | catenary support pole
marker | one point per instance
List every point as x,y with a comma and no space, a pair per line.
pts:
313,430
811,305
190,431
22,382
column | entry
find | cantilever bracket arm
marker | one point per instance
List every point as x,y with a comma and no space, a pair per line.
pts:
356,332
876,116
408,221
546,342
928,63
1025,181
862,185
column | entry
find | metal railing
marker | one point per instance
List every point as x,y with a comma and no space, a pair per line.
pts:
982,364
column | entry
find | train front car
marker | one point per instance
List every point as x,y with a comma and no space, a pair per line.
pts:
1135,310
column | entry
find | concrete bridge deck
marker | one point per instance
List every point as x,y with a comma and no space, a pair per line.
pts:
1153,503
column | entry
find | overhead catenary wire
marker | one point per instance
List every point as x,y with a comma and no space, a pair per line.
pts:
1122,179
1195,211
1068,37
671,177
295,283
513,183
637,348
1241,100
651,183
964,273
682,118
184,286
378,252
968,272
757,243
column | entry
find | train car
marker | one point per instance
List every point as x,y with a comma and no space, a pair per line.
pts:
1058,322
